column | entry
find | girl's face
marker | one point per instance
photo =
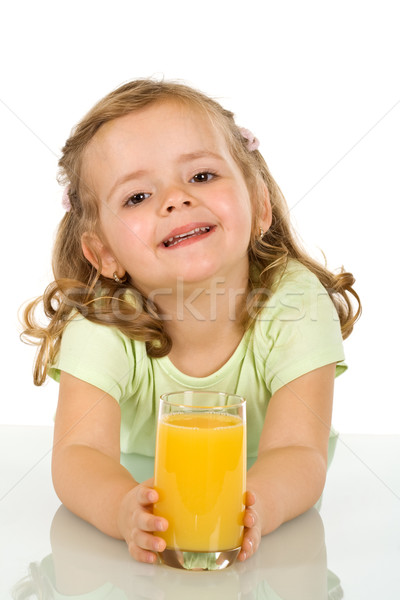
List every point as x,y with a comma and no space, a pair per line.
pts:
173,203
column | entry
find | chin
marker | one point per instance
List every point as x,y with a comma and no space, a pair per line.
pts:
201,276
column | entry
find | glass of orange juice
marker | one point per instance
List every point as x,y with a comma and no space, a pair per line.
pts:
200,476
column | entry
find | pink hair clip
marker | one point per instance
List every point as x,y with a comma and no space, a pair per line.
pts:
66,202
252,142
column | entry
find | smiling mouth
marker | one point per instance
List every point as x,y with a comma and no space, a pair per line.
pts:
196,232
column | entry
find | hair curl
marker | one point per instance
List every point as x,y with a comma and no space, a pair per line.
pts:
77,286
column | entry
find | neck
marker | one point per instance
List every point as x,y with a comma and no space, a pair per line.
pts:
207,302
196,316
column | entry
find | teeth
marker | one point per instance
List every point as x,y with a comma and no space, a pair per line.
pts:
197,230
175,240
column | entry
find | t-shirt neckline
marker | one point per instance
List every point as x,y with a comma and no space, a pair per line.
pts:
198,382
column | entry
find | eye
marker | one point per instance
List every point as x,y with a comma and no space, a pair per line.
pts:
137,198
203,177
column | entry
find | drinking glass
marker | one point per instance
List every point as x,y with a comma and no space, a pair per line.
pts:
200,476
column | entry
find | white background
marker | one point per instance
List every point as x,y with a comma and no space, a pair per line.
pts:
317,81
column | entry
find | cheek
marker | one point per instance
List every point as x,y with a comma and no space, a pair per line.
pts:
126,238
128,232
135,235
237,214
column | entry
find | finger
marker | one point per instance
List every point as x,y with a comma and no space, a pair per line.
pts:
141,555
146,521
250,518
148,541
146,496
250,544
247,549
250,498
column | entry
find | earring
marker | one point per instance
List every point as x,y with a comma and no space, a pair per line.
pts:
117,279
262,233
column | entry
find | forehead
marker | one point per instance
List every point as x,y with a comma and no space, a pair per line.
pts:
157,127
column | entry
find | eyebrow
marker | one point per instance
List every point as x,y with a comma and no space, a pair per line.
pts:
187,157
200,154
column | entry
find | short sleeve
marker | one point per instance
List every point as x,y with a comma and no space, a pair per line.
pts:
98,354
301,329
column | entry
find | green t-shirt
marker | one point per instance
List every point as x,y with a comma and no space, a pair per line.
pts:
297,331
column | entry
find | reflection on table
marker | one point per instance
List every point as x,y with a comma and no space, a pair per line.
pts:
360,512
289,565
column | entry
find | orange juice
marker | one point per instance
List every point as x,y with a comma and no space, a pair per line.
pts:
200,475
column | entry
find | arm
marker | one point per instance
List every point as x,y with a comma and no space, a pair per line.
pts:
87,474
288,476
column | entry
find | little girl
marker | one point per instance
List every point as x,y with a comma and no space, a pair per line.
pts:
176,268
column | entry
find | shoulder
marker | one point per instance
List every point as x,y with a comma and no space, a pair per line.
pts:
295,291
298,329
296,275
81,332
100,355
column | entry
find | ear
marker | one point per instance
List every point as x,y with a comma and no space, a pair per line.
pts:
100,256
266,213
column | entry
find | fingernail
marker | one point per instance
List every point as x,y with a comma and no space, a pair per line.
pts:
151,558
160,525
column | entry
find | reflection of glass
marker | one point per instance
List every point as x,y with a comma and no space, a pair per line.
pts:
200,475
85,564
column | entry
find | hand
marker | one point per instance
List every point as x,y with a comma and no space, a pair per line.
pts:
137,523
252,529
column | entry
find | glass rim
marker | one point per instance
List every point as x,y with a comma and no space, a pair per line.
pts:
241,402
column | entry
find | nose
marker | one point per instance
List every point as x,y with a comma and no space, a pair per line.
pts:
176,198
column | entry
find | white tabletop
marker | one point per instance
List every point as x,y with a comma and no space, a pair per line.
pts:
350,549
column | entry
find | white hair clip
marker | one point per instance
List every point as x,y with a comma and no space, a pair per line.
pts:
252,142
